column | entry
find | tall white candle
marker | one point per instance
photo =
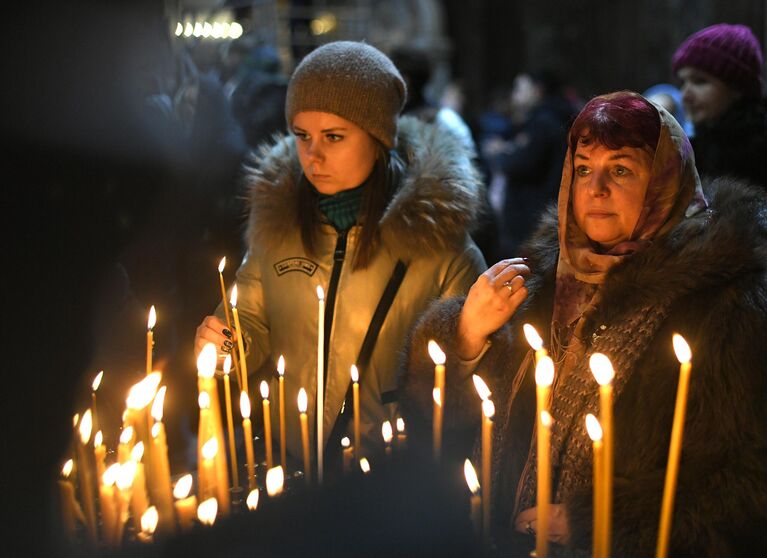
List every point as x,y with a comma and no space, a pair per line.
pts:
320,379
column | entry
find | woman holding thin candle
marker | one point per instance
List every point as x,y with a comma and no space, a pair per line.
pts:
634,252
349,193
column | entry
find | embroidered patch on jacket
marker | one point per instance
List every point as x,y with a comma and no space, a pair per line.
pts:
295,264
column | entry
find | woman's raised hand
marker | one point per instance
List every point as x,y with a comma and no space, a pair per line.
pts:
491,302
213,330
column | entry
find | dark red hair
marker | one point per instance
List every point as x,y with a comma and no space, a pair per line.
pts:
615,120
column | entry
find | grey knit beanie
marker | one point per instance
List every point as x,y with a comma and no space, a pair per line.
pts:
352,80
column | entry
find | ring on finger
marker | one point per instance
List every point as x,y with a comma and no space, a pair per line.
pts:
509,286
529,528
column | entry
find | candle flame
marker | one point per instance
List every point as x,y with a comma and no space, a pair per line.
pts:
110,475
345,442
546,419
471,476
155,430
97,381
436,353
149,520
206,361
386,432
222,265
206,512
275,479
137,452
159,402
183,487
602,368
593,427
152,320
252,499
66,470
302,400
482,390
544,372
233,296
531,334
203,400
98,439
365,465
227,366
125,415
86,425
126,475
320,293
355,374
142,393
437,396
488,408
400,425
682,349
126,435
244,405
75,420
281,365
264,387
210,448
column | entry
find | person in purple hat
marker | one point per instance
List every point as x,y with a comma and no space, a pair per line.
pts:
720,70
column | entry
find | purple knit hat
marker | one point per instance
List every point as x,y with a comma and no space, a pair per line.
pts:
728,52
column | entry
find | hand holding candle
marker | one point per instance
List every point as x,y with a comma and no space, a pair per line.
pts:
267,424
544,377
438,394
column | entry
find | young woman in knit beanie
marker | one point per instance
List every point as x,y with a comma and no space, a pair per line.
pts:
720,69
373,208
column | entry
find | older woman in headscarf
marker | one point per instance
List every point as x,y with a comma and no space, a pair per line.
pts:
633,253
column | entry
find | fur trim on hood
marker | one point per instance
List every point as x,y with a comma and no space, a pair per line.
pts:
437,203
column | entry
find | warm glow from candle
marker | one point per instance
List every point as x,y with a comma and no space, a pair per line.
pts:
149,520
222,265
227,366
320,293
345,442
435,394
275,479
302,400
203,400
436,353
682,349
137,452
183,487
400,425
206,361
155,430
97,381
355,374
142,393
86,425
66,470
281,365
544,372
75,419
531,334
488,408
210,448
233,296
206,512
482,390
602,368
252,499
98,439
159,401
110,475
546,419
126,475
244,405
264,389
386,432
471,476
365,465
593,427
126,435
152,318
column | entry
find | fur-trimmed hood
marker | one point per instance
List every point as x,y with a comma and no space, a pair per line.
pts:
437,203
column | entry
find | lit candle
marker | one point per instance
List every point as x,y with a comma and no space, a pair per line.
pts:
275,480
107,502
125,445
321,380
139,501
124,483
159,478
100,453
283,448
684,355
365,465
94,388
267,423
240,345
401,435
356,406
488,411
535,341
473,483
302,405
148,524
230,421
150,338
139,397
603,372
252,500
482,390
85,474
595,433
207,484
347,452
438,394
186,503
70,509
221,266
248,433
388,435
544,377
206,512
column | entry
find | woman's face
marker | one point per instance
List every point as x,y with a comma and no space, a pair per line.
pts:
335,153
704,96
608,193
